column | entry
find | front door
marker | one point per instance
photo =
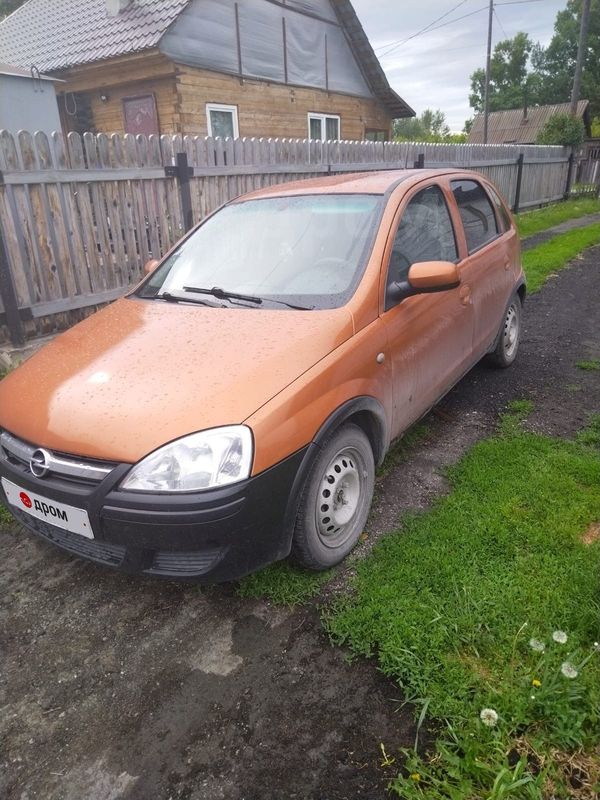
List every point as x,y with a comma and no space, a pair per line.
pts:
430,335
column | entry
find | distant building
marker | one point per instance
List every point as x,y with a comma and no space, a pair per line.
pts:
27,100
299,68
522,125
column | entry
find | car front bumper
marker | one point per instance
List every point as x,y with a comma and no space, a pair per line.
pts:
208,537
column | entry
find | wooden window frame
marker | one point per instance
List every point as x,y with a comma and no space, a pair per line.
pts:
233,110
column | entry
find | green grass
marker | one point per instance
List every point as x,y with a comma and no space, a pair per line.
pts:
540,262
589,366
530,222
448,604
283,584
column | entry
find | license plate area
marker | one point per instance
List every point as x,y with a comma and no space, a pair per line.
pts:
69,518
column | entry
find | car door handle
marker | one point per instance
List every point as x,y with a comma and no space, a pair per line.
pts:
465,294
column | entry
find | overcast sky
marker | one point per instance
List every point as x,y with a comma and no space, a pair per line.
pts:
432,70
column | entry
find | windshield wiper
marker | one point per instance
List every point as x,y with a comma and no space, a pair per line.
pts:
173,298
216,291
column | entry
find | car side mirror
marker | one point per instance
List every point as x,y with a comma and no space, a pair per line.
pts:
425,277
151,265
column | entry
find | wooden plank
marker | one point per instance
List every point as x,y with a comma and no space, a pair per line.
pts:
81,197
104,264
132,263
23,177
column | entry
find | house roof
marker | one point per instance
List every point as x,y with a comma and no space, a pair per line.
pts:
18,72
62,33
54,35
517,127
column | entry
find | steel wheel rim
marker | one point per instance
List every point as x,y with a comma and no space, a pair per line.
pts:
510,336
340,496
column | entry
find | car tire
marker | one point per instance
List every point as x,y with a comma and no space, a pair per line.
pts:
509,336
335,501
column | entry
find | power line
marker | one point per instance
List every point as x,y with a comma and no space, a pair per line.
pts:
430,30
423,30
500,23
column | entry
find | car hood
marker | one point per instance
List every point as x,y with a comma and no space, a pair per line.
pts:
143,372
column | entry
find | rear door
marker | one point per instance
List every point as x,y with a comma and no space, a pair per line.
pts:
430,335
487,259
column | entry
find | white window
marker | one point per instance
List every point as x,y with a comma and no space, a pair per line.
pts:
222,120
323,127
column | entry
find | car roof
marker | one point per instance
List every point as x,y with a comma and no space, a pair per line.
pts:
378,182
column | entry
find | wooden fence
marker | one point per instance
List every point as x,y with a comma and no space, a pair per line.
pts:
79,216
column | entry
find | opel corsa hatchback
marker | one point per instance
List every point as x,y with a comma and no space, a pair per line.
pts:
233,407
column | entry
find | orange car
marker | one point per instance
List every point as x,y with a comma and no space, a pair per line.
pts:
232,408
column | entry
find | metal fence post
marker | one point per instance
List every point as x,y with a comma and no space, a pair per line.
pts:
420,162
569,175
520,161
9,299
183,172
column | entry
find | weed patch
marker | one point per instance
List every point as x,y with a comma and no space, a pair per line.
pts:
540,262
485,611
588,366
283,584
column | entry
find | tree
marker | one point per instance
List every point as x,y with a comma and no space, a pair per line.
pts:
563,129
522,72
431,126
510,84
556,64
8,6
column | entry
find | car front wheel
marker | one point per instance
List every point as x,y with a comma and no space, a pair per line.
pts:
336,500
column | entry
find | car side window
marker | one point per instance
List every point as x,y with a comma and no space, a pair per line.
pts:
425,233
503,215
476,212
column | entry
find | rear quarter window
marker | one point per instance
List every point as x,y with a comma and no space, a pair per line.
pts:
502,212
476,212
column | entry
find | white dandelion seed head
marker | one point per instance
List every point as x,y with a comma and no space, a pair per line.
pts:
536,645
533,697
489,717
568,670
560,637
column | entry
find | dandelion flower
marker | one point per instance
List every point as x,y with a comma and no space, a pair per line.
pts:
536,645
489,717
568,670
536,682
560,637
415,777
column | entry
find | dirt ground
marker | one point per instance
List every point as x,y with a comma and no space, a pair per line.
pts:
114,688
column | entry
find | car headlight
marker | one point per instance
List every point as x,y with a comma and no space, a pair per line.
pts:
202,460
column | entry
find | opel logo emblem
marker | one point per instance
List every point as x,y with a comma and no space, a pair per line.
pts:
39,463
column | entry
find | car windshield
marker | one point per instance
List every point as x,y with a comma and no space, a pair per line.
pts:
306,251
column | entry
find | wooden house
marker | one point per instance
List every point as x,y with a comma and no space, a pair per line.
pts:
271,68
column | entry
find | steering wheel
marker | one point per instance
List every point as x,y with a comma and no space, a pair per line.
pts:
324,266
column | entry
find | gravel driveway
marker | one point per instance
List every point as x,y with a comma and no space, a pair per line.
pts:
113,687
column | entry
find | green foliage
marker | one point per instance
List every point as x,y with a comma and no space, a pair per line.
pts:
522,71
563,129
454,604
540,262
590,435
509,85
6,518
283,584
431,126
595,128
530,222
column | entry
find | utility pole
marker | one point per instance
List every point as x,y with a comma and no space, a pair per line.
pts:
486,102
583,33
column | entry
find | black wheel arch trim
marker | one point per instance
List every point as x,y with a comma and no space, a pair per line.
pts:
378,434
